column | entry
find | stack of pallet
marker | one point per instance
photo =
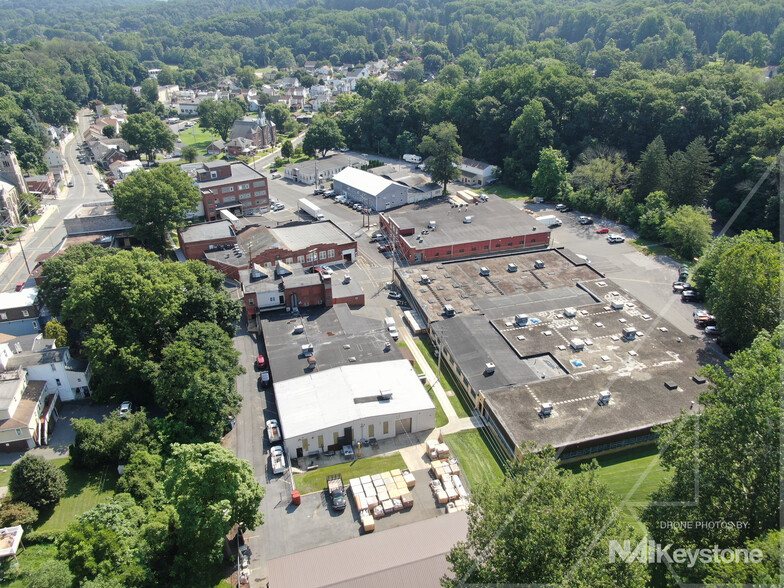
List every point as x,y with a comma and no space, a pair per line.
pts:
382,494
437,450
456,506
439,492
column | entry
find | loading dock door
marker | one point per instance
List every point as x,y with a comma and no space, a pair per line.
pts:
402,426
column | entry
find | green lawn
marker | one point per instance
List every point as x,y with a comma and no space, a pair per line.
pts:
316,481
648,247
84,491
30,559
441,418
506,192
479,463
198,137
5,474
446,378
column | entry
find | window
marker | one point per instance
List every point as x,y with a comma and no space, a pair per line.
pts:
243,187
497,245
3,316
25,313
312,256
322,255
19,432
54,367
331,253
305,446
260,193
57,381
300,259
213,175
227,189
250,301
473,248
321,441
289,260
334,438
258,184
386,427
371,430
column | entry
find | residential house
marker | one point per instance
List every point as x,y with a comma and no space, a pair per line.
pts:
297,97
476,173
258,130
310,66
340,86
240,146
56,162
233,186
69,376
19,312
216,147
28,412
106,151
43,184
288,83
12,184
354,76
168,94
120,170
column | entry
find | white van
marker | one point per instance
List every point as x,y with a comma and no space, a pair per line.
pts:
391,327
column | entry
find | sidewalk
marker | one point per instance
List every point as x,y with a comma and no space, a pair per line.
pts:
15,249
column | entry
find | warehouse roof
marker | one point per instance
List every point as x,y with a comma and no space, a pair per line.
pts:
301,236
207,232
330,398
494,219
363,181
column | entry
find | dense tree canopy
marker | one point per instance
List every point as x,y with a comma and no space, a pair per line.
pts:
323,135
147,133
442,148
37,482
219,116
156,202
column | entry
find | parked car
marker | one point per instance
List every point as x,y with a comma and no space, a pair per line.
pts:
680,286
125,409
585,220
71,184
261,361
19,286
712,331
602,230
89,172
615,238
690,296
560,206
384,248
395,295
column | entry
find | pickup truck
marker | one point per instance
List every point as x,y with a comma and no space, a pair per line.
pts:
273,431
277,459
337,491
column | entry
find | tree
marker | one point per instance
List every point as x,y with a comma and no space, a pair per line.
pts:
444,151
323,134
653,214
37,482
745,289
688,230
278,113
414,70
143,477
530,133
601,168
764,573
688,175
148,134
219,116
156,202
108,131
734,450
284,58
550,180
650,170
58,272
150,90
190,153
57,331
53,573
287,149
195,381
211,491
110,442
14,513
510,542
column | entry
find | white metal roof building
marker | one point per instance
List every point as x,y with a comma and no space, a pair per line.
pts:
369,189
328,409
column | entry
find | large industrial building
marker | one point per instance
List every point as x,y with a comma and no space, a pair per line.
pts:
442,229
338,378
375,192
550,351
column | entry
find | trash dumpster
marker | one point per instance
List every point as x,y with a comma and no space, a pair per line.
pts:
295,497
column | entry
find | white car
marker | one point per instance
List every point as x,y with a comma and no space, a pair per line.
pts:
615,238
326,270
125,409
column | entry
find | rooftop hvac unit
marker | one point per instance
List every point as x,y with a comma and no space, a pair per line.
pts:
307,349
570,312
346,278
521,319
616,305
512,267
577,344
299,329
425,279
489,368
629,333
449,310
604,397
546,409
483,271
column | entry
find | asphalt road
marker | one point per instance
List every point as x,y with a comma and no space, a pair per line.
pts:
48,237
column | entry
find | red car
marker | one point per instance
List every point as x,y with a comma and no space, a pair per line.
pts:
19,286
260,362
383,248
602,230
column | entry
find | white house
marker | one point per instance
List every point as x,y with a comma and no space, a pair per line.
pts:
324,410
68,376
476,173
28,411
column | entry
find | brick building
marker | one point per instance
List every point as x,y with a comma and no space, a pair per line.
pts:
197,239
448,230
234,186
309,244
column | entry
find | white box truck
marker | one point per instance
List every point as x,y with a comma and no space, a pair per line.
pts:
550,220
411,158
308,207
391,327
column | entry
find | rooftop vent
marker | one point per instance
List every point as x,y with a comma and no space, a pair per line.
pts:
424,279
570,312
489,368
604,397
670,385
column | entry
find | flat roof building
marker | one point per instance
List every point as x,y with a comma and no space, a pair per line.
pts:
325,168
443,229
556,355
376,192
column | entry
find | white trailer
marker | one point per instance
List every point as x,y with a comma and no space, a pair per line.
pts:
411,158
550,220
308,207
